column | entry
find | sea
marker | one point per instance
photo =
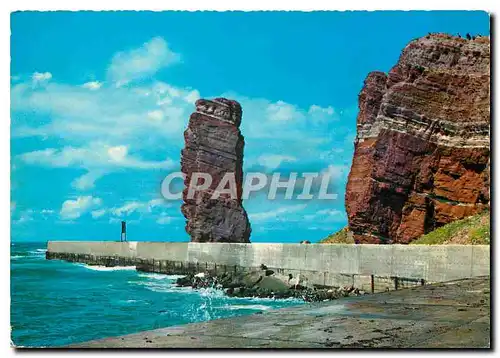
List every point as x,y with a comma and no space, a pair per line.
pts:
55,303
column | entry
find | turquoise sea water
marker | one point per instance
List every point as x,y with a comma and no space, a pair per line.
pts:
55,303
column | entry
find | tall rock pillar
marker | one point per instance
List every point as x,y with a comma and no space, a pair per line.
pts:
214,146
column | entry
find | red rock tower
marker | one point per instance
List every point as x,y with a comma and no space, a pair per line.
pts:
214,145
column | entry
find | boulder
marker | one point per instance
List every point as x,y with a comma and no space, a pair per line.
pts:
272,284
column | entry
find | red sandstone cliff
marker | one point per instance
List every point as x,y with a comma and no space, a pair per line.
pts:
421,155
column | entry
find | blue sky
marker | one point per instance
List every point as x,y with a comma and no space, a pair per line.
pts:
99,103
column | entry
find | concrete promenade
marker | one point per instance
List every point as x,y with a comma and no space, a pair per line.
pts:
381,267
443,315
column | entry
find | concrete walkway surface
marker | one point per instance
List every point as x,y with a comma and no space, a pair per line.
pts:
454,314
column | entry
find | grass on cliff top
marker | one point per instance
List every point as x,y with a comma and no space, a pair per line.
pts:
474,230
339,237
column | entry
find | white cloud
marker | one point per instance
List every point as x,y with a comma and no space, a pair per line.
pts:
96,124
285,122
38,77
326,216
97,158
97,213
164,219
73,209
29,215
156,115
114,220
140,116
142,62
275,214
87,181
157,203
315,109
273,161
131,207
104,128
93,85
127,209
192,96
96,155
282,111
24,217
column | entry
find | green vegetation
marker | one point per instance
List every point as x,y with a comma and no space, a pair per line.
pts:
474,230
340,237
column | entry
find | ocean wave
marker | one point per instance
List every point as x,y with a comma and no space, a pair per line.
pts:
127,302
163,287
105,268
37,252
174,277
15,257
246,307
211,292
159,276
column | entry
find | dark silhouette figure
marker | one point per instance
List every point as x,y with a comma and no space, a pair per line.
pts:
123,236
468,36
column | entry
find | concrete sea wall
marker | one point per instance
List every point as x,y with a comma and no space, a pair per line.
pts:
368,267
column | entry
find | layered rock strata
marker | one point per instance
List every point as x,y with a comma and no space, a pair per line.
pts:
422,151
214,145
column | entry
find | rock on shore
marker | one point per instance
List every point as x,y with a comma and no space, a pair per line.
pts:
422,152
214,145
264,284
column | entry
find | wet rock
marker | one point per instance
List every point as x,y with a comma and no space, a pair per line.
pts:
251,279
269,272
185,281
257,284
272,284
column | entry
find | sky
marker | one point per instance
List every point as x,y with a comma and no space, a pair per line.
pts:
100,100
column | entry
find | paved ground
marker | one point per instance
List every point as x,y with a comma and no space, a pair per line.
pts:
447,315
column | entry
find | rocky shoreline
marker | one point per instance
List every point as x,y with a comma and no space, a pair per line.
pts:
265,283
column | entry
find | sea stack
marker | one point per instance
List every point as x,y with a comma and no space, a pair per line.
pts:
422,148
214,145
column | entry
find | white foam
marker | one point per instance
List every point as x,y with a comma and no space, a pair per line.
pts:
105,268
37,252
174,277
153,276
159,283
211,292
165,288
159,276
246,307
